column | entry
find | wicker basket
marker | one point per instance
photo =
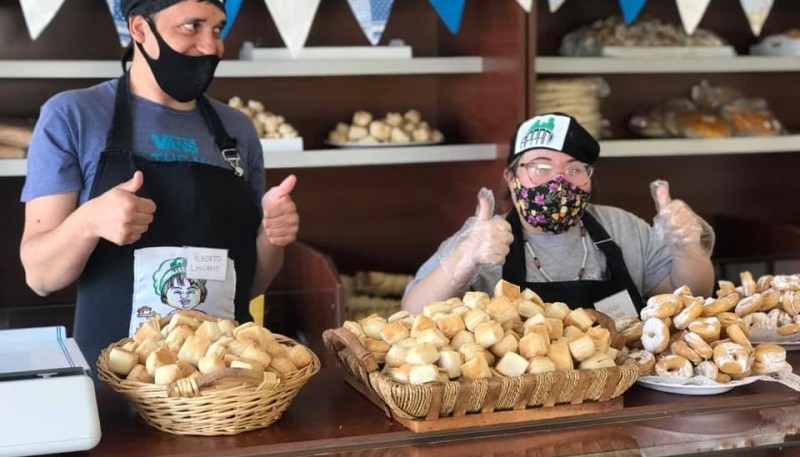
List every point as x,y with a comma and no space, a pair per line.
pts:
232,403
436,400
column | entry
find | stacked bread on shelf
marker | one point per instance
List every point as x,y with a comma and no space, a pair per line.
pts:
15,137
578,97
373,292
267,124
188,347
681,335
479,336
392,129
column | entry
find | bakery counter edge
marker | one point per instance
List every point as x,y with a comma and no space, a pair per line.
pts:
330,417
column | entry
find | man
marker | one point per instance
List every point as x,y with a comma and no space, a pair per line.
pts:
132,172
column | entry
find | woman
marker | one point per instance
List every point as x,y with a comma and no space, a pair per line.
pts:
558,245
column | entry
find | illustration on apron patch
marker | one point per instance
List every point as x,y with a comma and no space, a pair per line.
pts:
169,279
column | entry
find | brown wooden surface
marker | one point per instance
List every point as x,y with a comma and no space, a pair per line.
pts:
328,416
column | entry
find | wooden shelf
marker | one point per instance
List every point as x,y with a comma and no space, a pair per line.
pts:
380,156
102,69
608,65
343,157
690,146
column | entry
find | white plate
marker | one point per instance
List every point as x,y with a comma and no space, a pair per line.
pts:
671,387
356,144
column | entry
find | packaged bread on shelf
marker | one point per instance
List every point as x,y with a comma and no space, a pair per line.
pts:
393,129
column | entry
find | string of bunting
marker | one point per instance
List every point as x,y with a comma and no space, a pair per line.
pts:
294,18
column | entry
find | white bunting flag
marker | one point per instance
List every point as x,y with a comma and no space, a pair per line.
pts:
526,5
293,19
372,16
757,12
692,12
38,14
555,5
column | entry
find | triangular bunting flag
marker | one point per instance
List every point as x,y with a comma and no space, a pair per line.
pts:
231,11
120,22
372,16
293,19
631,9
692,12
555,5
526,5
38,14
757,12
450,11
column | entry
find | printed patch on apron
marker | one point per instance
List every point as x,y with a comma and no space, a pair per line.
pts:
161,285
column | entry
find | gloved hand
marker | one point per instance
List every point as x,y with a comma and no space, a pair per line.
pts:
483,241
682,230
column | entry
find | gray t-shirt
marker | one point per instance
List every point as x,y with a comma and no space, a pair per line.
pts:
71,133
647,258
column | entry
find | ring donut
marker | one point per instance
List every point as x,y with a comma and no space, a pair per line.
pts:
788,329
674,366
770,299
708,369
698,344
655,335
725,288
645,359
633,333
736,334
721,304
764,283
682,349
708,328
749,304
731,358
748,284
779,317
693,306
661,306
786,282
726,319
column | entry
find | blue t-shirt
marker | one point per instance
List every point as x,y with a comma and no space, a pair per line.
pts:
71,133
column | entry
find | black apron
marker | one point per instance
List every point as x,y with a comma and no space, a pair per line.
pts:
578,293
197,205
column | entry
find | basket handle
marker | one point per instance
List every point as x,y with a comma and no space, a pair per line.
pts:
340,338
617,341
190,387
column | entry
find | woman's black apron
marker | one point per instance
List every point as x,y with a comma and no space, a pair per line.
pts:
578,293
197,205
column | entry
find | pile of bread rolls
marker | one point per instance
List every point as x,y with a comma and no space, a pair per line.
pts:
187,347
394,128
681,335
267,124
478,336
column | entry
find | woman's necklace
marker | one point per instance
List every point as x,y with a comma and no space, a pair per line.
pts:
538,262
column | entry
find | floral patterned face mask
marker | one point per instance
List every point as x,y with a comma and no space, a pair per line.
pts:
554,206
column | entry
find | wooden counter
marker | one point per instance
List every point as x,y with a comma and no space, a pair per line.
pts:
330,417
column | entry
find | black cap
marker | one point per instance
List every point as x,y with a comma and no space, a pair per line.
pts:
144,7
557,132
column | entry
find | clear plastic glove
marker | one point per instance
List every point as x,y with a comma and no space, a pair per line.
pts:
483,241
682,229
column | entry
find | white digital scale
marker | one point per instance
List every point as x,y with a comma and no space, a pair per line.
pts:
47,398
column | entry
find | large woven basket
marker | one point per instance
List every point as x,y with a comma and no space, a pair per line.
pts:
435,400
227,407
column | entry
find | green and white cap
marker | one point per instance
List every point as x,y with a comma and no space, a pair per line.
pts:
557,132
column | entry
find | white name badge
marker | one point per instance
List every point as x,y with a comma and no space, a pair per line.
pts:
206,263
617,306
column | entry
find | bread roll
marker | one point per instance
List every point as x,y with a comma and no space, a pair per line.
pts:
193,349
512,365
450,362
533,345
528,308
506,289
257,355
372,326
282,366
226,326
181,318
541,364
139,374
121,361
488,333
300,356
160,357
362,118
530,295
508,343
420,374
474,318
579,318
582,348
502,310
433,336
275,349
472,350
167,374
177,336
396,356
147,332
144,349
422,323
210,363
209,330
398,316
601,337
597,360
572,333
451,324
237,346
555,327
461,338
413,116
394,332
422,354
257,334
536,319
436,307
399,374
560,355
245,364
355,328
186,368
476,368
476,299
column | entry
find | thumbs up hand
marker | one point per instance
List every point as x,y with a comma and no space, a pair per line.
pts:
119,215
683,231
483,241
281,221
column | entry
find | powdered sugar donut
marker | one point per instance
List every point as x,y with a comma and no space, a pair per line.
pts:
731,358
708,328
674,366
698,344
661,306
708,369
645,359
655,335
693,306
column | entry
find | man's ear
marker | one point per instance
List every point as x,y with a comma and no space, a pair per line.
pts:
136,26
